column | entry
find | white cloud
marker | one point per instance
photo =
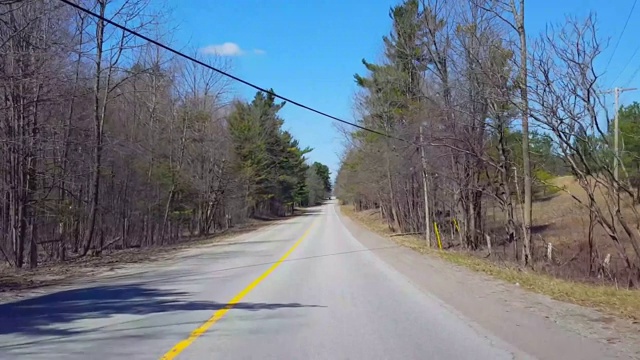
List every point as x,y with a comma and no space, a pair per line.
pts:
226,49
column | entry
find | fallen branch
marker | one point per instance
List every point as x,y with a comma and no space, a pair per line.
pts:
49,241
109,244
572,258
6,256
405,234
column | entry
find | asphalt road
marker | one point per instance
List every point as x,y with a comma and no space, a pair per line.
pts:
332,297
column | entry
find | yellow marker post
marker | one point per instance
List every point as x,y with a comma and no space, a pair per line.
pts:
455,222
435,227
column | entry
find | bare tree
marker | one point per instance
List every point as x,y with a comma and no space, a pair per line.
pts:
109,46
32,45
564,91
117,145
512,13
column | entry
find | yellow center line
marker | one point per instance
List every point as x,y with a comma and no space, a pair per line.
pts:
219,314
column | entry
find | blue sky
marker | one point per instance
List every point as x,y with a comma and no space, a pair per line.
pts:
310,50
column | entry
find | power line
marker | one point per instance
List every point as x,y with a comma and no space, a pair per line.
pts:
245,82
622,33
627,64
633,76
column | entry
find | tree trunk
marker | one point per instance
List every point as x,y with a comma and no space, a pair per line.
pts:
524,99
394,212
425,189
98,114
505,189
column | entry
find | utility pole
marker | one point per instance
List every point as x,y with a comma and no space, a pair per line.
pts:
616,127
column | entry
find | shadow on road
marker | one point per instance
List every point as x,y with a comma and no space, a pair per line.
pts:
211,273
49,315
309,212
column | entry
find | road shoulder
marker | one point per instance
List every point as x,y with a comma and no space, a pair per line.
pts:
534,323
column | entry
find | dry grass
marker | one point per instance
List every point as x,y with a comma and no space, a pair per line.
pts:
622,303
564,223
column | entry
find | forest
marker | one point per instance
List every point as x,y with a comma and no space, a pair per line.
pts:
500,138
108,142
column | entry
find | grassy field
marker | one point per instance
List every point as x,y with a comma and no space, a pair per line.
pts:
608,299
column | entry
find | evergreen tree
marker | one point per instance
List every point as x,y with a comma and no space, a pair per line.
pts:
269,160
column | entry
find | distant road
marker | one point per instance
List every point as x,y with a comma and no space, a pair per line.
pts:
312,287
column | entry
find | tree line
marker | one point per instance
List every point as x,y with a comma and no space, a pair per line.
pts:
109,142
482,116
